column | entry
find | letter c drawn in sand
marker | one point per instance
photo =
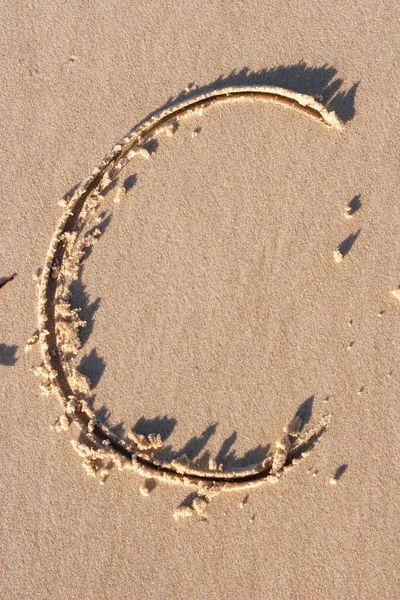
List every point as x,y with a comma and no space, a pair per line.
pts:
59,324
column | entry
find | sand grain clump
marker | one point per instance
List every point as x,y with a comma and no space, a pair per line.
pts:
337,256
396,294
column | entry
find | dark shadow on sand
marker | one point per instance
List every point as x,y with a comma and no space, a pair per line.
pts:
92,366
7,355
348,243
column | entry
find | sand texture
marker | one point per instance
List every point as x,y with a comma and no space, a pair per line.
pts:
199,300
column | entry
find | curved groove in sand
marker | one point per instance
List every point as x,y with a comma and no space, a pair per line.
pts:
61,267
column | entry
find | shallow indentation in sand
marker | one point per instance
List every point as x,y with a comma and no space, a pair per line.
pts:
60,323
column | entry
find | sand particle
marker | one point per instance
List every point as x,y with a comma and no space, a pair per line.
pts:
396,294
244,501
337,256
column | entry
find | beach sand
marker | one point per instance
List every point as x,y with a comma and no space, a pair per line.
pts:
228,292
